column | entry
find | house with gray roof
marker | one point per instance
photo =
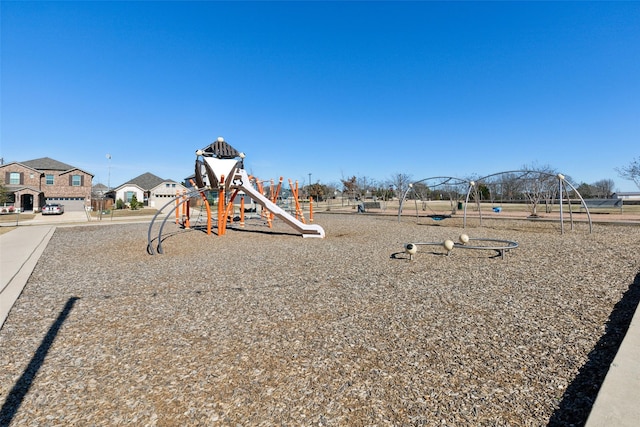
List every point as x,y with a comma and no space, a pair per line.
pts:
33,183
153,191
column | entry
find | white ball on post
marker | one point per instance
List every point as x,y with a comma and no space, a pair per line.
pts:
411,249
448,245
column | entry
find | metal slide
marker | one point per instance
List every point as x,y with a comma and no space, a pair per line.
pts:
307,230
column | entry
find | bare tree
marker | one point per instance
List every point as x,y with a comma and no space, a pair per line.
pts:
400,182
539,186
603,188
455,193
421,191
512,187
364,185
333,188
631,171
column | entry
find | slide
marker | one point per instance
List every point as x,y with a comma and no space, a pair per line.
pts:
307,230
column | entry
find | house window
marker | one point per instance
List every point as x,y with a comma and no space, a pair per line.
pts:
49,179
76,180
128,195
14,178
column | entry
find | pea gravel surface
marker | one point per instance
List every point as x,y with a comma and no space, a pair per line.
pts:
261,327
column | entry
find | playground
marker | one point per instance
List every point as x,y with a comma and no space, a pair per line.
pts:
220,173
474,310
261,326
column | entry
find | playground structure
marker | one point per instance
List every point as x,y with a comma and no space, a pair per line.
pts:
535,187
448,186
220,167
501,246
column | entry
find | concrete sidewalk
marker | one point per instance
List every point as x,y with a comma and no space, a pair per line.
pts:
20,250
618,401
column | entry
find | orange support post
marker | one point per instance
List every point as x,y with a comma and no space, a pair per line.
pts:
275,197
294,194
271,197
221,203
310,209
298,207
185,209
242,211
272,191
230,206
264,213
295,191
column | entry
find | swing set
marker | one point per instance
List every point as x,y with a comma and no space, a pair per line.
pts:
534,187
439,187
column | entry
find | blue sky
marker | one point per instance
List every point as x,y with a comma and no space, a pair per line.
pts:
331,89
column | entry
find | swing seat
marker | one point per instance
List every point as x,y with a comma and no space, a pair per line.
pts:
438,217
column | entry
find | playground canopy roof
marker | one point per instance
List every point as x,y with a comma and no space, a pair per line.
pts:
221,150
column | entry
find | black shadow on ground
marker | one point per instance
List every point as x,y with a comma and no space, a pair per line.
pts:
267,232
22,386
578,399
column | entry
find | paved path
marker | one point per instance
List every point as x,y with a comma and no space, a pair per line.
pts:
618,402
20,250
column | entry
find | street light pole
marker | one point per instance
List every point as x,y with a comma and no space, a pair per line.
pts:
109,174
309,185
108,188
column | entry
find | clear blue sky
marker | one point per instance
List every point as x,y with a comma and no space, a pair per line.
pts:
334,89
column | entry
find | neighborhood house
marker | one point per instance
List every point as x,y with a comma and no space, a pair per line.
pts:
150,189
33,183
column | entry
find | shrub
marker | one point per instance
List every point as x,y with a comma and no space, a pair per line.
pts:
134,204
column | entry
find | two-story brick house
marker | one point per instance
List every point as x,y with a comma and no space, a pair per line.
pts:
33,183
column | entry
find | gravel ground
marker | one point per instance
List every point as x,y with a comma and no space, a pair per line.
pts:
263,327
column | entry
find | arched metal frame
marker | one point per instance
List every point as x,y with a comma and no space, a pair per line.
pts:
444,180
528,174
189,194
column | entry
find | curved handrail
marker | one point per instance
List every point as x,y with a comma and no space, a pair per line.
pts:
150,250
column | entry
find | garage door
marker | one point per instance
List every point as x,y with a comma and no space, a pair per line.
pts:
71,204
